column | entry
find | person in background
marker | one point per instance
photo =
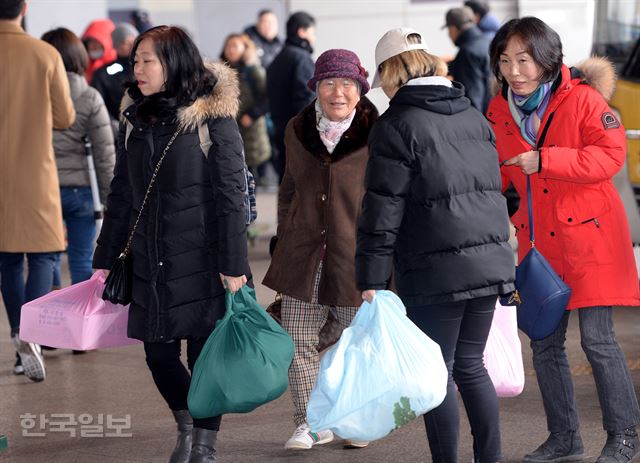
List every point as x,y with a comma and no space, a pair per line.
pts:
434,213
239,52
109,79
471,65
287,78
580,223
191,240
265,36
487,22
141,20
92,120
35,100
318,203
97,40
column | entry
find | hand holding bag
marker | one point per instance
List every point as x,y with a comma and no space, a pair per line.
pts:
117,287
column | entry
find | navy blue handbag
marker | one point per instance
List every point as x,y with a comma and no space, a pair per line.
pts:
541,296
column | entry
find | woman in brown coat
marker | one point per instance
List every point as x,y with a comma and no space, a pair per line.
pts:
318,205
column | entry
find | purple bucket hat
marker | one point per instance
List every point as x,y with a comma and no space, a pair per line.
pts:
339,63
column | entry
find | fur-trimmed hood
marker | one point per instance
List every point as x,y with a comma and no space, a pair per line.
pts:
600,74
222,102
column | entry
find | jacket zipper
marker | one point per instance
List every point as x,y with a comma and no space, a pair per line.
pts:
594,220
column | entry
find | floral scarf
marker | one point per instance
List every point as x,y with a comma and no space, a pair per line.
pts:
330,131
528,111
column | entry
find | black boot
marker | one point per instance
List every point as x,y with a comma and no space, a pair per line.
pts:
185,428
204,446
621,447
559,447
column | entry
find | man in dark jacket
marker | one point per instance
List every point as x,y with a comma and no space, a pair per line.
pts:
265,35
471,65
109,79
287,80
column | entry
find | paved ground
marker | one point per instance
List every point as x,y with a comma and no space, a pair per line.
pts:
116,382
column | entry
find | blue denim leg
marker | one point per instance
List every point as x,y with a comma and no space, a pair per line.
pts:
57,271
554,379
14,290
77,211
12,286
616,393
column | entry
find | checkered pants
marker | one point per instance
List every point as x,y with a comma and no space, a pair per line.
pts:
304,320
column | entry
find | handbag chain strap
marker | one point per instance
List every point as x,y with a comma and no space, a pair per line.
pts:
125,252
541,138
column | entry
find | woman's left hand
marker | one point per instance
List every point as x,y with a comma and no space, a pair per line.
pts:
233,284
368,295
528,162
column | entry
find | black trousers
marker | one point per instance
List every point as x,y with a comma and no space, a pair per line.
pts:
172,378
461,329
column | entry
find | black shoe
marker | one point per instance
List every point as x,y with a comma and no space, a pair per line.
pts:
182,451
78,352
559,447
621,447
204,446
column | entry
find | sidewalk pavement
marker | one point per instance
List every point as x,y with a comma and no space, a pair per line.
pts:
116,382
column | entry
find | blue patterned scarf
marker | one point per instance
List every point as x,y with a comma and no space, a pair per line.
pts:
528,111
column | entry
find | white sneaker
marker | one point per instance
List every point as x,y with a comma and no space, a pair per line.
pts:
304,439
31,359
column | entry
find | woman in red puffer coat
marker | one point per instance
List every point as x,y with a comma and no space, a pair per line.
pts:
580,222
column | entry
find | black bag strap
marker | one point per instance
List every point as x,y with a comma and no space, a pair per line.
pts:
539,144
127,248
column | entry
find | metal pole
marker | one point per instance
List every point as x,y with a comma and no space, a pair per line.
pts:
93,180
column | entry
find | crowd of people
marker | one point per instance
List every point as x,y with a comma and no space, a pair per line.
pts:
409,200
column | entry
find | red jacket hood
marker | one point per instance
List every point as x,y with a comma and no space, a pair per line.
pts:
100,30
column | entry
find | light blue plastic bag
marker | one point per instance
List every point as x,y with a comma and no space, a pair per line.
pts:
381,374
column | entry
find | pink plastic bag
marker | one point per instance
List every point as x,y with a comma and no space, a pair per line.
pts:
77,318
503,353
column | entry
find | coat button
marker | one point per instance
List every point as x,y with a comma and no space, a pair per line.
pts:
323,232
323,197
160,263
569,219
521,225
553,233
545,191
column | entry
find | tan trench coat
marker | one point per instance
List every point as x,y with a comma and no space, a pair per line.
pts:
34,99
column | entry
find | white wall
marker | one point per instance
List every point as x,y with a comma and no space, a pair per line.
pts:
44,15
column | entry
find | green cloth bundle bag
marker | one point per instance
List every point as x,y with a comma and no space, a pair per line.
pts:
244,363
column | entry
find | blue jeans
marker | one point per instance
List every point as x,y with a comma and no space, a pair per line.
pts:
14,290
461,329
616,393
78,215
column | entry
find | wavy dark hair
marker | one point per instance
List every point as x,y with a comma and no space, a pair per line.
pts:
187,78
70,47
542,43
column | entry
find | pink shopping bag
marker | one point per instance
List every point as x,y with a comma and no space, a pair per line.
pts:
503,353
76,317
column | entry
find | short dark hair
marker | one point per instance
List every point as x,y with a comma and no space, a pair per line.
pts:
10,9
187,77
261,13
298,20
70,47
479,8
542,43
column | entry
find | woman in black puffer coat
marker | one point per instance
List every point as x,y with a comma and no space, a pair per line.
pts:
192,233
434,212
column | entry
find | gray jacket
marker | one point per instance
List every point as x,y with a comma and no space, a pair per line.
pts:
92,118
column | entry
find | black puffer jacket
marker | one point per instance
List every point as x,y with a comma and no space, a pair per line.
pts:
193,226
433,204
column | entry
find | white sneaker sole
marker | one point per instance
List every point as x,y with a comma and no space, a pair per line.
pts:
354,444
296,445
31,360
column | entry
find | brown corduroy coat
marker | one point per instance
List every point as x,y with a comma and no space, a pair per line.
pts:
318,206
